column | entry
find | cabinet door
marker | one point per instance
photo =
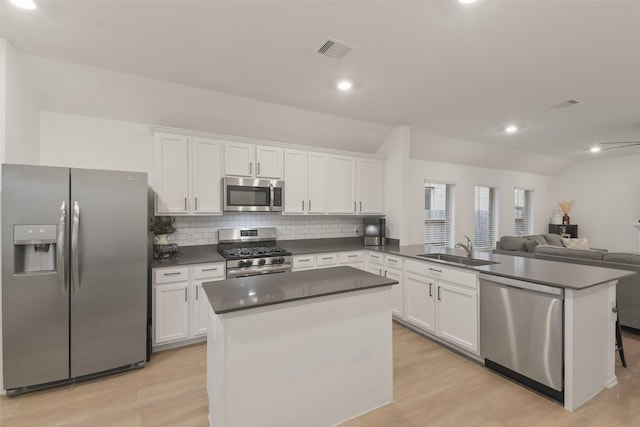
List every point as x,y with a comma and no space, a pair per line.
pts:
370,185
374,269
458,315
396,292
316,183
419,302
171,318
206,174
171,173
239,159
342,174
199,310
268,162
295,176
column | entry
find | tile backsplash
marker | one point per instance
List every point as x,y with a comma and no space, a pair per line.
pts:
203,230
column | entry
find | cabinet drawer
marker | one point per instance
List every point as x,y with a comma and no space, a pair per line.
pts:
391,261
326,259
375,258
170,275
443,273
351,257
304,261
209,271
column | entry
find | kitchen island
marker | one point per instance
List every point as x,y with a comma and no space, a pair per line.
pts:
301,348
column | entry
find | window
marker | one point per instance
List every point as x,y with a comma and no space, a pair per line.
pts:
439,213
523,199
485,218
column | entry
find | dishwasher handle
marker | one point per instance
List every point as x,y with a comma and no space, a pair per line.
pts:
521,284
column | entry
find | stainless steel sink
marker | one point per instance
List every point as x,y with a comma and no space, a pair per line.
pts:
455,259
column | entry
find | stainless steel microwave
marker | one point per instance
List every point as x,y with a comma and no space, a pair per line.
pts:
252,195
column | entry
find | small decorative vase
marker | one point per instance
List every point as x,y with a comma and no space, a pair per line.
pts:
160,239
565,219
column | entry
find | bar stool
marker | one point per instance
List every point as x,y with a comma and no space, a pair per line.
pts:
619,347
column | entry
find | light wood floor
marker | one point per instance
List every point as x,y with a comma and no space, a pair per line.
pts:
432,387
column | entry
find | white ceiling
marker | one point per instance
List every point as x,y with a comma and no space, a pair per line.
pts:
443,68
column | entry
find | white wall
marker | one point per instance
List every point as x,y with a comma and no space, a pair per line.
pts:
465,179
22,119
607,200
396,150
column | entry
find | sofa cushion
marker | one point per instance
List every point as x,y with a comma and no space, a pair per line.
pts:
530,245
538,238
576,243
553,239
569,252
623,257
513,243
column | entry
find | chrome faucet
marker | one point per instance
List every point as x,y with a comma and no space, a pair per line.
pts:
468,247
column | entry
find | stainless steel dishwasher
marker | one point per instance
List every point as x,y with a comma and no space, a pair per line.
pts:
521,332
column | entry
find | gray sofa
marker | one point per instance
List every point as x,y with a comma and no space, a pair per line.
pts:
550,247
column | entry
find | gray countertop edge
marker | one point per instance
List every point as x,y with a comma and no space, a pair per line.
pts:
552,273
227,296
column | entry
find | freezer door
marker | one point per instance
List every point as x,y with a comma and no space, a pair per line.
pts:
108,270
35,304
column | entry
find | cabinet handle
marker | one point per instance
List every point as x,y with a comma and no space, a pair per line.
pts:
327,258
436,270
380,272
303,206
185,294
196,203
374,256
185,203
258,168
172,274
309,205
385,273
439,299
354,207
250,168
392,260
196,292
304,260
360,206
210,269
352,256
430,289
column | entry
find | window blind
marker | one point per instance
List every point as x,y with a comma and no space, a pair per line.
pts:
439,214
485,218
523,209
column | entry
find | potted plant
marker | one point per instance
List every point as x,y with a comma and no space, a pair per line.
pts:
161,227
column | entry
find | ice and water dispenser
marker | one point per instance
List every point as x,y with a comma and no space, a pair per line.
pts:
34,248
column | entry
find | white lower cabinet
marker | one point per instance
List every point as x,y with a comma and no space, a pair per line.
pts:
180,307
389,266
442,301
328,259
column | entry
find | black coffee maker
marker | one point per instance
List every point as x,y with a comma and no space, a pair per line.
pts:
374,232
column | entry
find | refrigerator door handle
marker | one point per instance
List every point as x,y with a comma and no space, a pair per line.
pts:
60,258
74,247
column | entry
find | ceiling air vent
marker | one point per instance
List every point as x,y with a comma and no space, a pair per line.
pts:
566,104
335,49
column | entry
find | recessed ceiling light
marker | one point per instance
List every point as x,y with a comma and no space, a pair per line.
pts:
511,129
595,149
25,4
466,1
344,85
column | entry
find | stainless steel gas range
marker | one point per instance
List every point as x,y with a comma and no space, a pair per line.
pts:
252,251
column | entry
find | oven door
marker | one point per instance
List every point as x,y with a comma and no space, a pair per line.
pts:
252,195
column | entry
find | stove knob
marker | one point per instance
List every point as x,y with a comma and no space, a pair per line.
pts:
242,263
280,260
261,261
248,263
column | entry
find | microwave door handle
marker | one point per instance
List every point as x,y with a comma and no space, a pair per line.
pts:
271,196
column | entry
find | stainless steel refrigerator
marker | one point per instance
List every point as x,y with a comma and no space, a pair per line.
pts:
74,274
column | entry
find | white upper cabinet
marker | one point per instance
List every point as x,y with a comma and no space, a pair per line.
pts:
187,173
342,185
370,185
171,173
253,161
305,176
355,185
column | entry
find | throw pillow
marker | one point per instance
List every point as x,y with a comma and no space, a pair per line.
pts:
531,245
553,239
576,243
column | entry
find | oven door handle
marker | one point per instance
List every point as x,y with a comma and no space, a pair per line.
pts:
232,274
271,196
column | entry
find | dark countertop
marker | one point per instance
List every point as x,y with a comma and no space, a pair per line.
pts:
559,274
245,293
